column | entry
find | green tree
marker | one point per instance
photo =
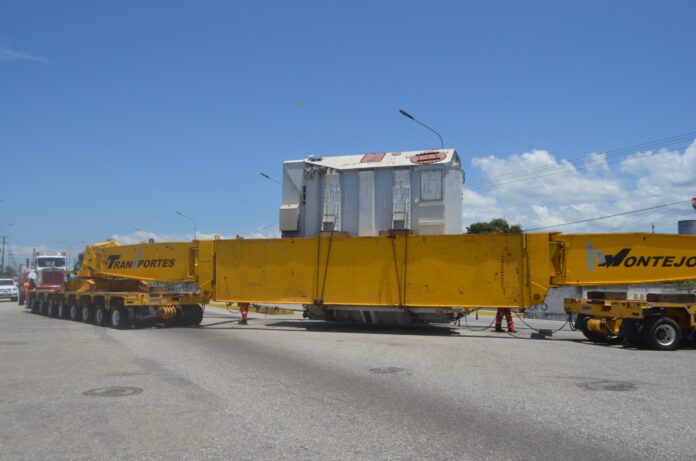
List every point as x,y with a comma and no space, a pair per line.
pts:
495,225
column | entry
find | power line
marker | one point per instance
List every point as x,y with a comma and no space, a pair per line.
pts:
609,216
609,157
651,217
688,137
568,168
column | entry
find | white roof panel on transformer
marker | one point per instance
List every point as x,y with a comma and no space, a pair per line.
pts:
385,159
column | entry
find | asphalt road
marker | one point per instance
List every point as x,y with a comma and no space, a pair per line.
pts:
294,389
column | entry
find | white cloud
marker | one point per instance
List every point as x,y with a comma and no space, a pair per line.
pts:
535,189
666,169
9,55
21,253
141,236
596,163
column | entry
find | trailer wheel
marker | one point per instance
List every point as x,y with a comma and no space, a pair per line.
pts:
52,309
86,314
581,324
43,307
100,316
630,332
193,314
63,310
119,318
75,312
661,333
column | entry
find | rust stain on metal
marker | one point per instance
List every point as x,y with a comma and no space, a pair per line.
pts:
372,158
502,274
428,157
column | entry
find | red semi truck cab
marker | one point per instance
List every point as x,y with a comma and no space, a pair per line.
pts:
47,272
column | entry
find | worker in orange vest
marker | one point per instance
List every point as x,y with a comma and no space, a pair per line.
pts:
499,320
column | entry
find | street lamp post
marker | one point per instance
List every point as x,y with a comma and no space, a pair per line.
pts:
4,239
195,232
407,115
271,179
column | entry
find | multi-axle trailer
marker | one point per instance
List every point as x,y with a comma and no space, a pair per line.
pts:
394,278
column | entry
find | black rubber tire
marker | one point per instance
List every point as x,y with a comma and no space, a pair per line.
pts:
661,333
193,314
630,332
595,337
86,314
581,324
101,316
63,310
119,318
43,307
52,310
179,319
74,312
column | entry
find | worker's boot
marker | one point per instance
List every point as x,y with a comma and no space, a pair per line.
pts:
499,330
244,310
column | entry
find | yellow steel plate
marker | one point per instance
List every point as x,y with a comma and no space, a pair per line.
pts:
454,270
603,259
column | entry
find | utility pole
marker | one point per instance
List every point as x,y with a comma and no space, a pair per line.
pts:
2,265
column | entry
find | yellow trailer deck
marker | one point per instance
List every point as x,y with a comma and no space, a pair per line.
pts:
420,278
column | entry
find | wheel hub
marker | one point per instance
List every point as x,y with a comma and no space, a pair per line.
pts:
665,335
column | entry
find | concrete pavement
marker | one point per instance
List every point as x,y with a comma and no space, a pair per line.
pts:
285,388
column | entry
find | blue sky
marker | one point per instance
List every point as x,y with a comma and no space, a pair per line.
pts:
114,114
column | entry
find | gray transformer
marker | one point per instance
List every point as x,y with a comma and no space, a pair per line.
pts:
368,193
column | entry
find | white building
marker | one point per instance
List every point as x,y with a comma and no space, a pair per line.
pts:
368,193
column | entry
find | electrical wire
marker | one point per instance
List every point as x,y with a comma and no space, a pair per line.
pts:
650,218
538,330
466,325
687,137
608,157
565,167
608,216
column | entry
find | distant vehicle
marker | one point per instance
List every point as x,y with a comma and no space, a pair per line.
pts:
8,290
47,272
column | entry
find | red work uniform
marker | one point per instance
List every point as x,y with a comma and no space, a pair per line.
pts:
244,310
508,317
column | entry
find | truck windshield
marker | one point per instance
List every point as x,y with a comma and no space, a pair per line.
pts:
50,262
6,282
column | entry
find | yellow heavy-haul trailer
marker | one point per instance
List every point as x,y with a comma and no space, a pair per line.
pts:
101,293
393,278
